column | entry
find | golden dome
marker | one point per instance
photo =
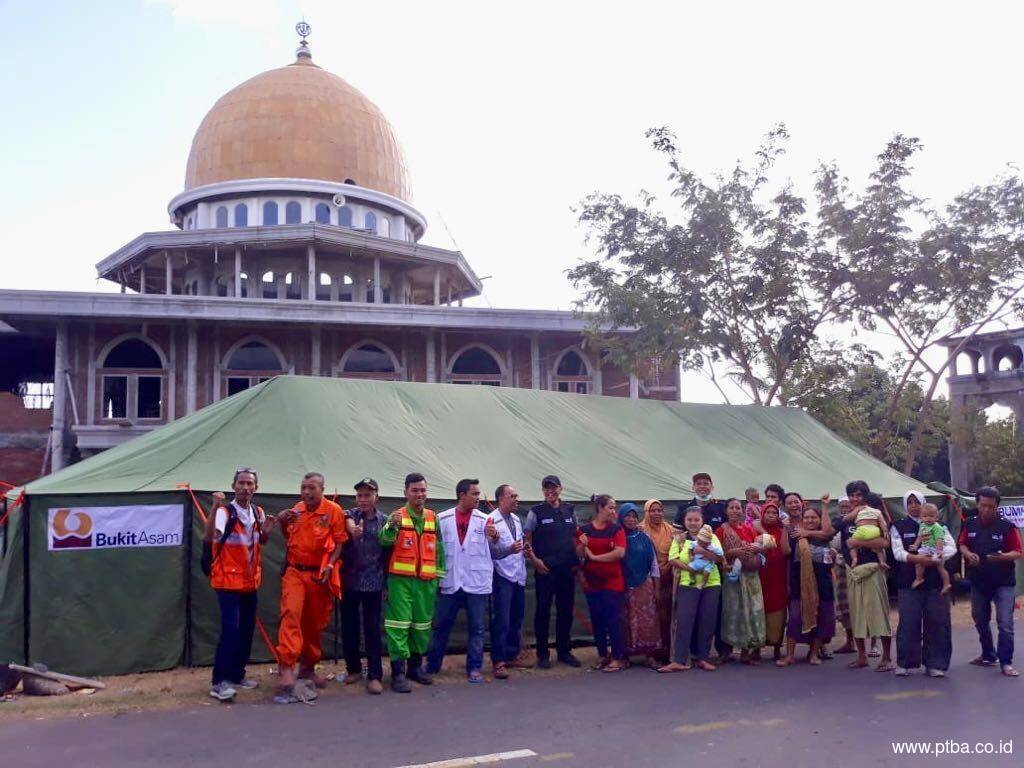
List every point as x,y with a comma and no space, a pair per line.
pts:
297,122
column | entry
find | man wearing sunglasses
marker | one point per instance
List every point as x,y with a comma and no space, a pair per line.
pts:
508,601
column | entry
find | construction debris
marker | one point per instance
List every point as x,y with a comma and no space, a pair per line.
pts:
37,680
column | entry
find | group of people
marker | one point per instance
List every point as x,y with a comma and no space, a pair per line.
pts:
731,576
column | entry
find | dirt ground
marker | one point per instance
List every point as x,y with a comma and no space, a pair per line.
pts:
183,687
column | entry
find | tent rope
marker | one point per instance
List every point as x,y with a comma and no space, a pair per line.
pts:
17,501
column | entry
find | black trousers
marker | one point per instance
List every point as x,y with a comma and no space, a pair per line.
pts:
369,603
559,587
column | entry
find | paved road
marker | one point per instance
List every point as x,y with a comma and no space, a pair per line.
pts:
737,716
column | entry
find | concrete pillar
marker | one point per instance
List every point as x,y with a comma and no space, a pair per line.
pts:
634,386
510,368
534,361
336,285
191,359
311,276
168,274
359,285
437,286
597,376
314,356
443,362
378,289
431,362
238,273
90,384
172,377
213,395
142,279
60,397
282,286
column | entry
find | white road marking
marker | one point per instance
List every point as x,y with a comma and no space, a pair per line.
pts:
462,762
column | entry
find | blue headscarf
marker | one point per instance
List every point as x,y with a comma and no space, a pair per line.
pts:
636,565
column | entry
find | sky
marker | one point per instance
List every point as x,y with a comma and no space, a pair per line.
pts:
509,113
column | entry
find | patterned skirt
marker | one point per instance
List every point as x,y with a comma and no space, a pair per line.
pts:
643,630
743,620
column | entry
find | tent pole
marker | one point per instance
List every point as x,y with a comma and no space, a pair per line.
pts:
26,573
187,651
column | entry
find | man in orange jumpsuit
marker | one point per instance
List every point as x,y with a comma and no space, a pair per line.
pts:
314,531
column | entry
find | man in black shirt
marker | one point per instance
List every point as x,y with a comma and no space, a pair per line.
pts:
550,533
712,509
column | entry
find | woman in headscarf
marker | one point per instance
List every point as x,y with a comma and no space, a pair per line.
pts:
743,624
774,578
868,592
641,572
660,534
812,615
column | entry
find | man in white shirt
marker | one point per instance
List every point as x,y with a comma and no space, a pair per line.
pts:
469,538
509,588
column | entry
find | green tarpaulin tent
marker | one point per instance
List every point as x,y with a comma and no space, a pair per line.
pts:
114,606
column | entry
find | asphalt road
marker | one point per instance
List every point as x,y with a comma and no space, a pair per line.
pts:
737,716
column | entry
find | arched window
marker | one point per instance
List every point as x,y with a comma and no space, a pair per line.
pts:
475,365
385,227
1007,358
572,374
323,213
131,377
222,216
370,221
293,213
248,364
241,215
344,216
269,213
369,360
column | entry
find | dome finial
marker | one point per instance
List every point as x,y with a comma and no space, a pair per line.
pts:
304,30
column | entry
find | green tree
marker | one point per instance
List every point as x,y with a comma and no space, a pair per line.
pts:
727,285
963,269
999,456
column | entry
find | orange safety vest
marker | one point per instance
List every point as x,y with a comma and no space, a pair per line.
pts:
415,554
236,566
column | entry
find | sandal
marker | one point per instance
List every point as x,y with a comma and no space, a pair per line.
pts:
673,667
887,667
707,666
1009,671
981,661
613,667
857,664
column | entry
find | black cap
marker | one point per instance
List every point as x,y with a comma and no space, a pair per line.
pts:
368,482
550,480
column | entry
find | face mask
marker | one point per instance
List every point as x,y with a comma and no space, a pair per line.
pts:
704,498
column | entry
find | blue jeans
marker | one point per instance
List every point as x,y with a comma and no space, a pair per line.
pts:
237,623
606,614
445,612
508,604
924,633
982,597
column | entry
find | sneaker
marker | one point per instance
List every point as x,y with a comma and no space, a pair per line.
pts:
374,687
475,677
570,660
247,684
936,673
902,672
223,691
544,662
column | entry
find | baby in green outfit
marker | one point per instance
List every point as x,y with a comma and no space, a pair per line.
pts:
930,541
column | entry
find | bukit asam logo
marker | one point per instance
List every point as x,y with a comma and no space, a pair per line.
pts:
96,528
71,530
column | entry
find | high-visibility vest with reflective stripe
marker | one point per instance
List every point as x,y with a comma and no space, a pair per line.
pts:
415,554
236,564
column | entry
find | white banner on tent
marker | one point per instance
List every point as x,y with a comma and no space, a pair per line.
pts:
1014,514
92,528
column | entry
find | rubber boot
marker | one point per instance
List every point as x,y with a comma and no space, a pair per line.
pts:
417,672
399,682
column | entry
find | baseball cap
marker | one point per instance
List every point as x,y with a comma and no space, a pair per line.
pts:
369,482
550,480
